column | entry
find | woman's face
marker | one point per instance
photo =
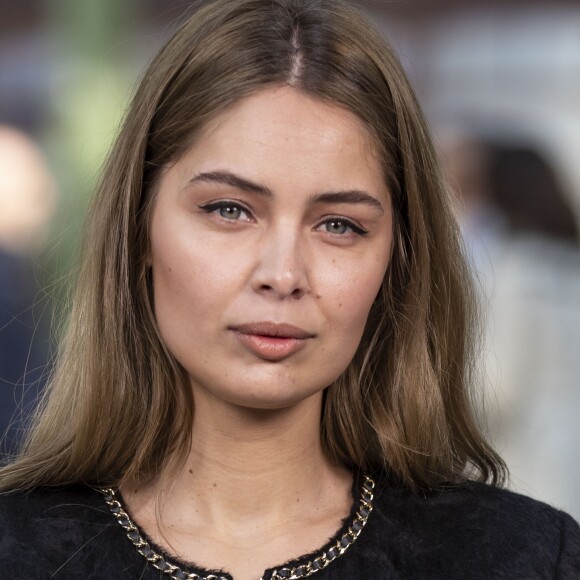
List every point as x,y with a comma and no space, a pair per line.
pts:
270,238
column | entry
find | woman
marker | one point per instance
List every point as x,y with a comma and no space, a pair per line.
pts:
271,335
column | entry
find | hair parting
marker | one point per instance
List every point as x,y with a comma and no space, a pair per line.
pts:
119,407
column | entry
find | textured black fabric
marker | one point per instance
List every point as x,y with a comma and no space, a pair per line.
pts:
469,532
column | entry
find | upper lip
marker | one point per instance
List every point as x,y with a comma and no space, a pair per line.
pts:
279,330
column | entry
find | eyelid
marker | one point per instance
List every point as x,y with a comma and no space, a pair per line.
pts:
212,206
356,228
220,203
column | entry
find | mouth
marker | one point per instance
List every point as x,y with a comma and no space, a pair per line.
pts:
271,341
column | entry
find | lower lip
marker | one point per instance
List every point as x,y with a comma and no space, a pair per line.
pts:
270,347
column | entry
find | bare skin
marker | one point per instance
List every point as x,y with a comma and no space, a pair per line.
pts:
255,492
277,215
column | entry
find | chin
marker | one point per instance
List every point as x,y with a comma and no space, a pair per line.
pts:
270,400
274,394
263,386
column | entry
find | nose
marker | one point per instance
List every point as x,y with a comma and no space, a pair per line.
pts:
281,269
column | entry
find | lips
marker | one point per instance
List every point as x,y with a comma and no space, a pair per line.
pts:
271,341
273,329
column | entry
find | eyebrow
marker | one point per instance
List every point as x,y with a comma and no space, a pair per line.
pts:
227,178
350,196
353,196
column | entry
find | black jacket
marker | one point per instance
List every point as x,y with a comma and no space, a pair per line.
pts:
468,532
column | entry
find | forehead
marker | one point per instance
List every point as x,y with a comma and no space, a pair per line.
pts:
267,111
283,132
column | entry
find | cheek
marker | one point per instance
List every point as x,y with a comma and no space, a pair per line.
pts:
188,285
351,291
188,264
174,272
349,299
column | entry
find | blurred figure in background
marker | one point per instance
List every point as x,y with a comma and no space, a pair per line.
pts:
523,241
28,196
466,161
535,326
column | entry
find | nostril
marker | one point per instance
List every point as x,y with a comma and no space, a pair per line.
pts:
283,293
281,277
298,293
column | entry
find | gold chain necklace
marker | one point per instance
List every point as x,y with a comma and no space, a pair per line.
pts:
320,562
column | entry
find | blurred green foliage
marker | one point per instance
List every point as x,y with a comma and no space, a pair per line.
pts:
93,40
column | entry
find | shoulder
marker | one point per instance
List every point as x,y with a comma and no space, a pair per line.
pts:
42,528
477,524
23,508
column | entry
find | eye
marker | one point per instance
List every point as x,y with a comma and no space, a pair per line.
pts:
341,227
336,227
228,210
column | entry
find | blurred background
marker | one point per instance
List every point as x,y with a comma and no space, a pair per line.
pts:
500,85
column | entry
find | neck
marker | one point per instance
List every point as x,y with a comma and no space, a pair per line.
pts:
266,465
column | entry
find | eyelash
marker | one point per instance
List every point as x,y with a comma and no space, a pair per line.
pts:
356,229
217,205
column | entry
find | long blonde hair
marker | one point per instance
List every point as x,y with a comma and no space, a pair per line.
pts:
119,404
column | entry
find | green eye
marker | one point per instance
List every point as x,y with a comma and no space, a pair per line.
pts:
230,212
336,227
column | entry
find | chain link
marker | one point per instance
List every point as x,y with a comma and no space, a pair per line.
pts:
157,561
341,545
302,571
